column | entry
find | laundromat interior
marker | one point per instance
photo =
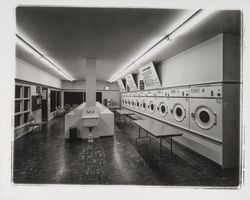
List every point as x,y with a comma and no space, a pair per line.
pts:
127,96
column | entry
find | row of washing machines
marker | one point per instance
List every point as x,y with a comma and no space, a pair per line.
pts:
205,114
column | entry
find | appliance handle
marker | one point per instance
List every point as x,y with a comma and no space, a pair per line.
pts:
193,115
171,110
215,119
185,113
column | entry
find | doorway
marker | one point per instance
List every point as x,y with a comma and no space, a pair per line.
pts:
99,97
44,104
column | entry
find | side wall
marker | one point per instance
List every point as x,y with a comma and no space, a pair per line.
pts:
186,69
34,76
28,72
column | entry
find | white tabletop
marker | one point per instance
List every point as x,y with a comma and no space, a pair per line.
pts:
124,112
156,128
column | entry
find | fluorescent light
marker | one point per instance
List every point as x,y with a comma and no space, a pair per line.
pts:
27,47
181,28
55,68
49,63
195,20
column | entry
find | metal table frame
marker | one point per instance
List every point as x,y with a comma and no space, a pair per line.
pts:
161,137
124,115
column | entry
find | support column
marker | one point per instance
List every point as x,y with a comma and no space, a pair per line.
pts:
90,82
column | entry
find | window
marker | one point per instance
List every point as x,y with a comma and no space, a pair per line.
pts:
55,100
22,105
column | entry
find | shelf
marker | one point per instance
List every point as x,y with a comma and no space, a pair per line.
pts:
21,126
25,111
22,105
22,112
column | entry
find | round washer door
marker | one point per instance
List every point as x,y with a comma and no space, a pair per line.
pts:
137,104
179,112
144,105
132,103
163,109
152,106
205,117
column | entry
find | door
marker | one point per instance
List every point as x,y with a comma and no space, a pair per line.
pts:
206,117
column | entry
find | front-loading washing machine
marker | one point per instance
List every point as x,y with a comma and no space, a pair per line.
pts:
152,108
144,105
162,103
132,101
206,121
129,102
122,99
179,112
206,111
137,104
214,122
179,107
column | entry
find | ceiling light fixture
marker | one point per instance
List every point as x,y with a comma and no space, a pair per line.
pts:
180,29
29,48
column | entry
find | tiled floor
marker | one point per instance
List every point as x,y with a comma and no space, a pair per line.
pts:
46,157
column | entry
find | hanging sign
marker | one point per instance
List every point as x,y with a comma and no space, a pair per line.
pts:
121,85
131,86
150,77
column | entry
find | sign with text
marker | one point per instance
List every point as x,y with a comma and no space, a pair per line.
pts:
150,77
121,85
131,86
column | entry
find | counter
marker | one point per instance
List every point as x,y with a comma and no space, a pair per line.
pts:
105,124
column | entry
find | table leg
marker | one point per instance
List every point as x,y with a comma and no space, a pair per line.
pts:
160,146
171,140
138,136
148,137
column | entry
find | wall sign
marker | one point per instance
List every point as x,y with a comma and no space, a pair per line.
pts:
142,85
150,77
131,86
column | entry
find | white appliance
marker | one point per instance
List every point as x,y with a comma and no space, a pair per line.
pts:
122,99
179,107
214,122
144,103
138,101
129,102
152,108
162,103
126,102
137,104
179,112
151,103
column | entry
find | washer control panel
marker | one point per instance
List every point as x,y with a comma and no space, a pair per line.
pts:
210,91
179,92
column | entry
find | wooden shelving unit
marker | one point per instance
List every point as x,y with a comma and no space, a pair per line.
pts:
22,105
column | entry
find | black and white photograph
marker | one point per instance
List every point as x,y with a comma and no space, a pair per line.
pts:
123,100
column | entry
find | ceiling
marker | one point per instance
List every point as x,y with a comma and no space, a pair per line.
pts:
113,36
